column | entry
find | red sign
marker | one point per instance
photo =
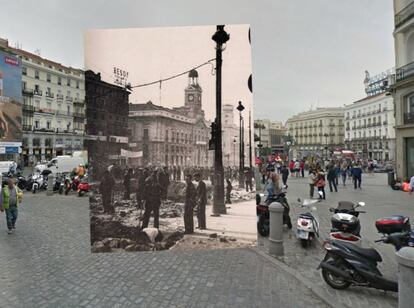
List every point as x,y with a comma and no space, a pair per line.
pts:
11,61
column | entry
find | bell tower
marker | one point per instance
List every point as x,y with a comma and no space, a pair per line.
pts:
193,92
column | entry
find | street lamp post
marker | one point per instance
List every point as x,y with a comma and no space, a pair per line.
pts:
234,151
250,140
240,108
220,37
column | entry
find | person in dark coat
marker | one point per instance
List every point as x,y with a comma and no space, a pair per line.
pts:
285,174
332,178
140,188
152,201
201,202
164,181
229,188
249,179
189,204
127,183
105,187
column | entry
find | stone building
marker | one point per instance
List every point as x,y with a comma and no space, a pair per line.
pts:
369,122
171,136
53,107
271,134
316,132
107,122
403,89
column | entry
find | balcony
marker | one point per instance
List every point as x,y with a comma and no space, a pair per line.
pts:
347,128
405,71
404,15
59,96
79,115
63,113
347,118
38,92
78,101
69,98
409,118
28,108
385,123
50,95
27,127
44,110
27,91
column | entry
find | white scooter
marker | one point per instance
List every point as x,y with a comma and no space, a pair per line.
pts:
307,227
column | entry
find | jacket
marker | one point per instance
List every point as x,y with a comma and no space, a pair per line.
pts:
5,196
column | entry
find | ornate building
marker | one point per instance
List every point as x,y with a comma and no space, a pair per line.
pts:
316,132
171,136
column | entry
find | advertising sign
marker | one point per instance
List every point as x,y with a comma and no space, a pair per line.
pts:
10,100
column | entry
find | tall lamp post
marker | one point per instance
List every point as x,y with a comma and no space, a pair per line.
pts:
240,108
250,141
234,151
260,126
220,37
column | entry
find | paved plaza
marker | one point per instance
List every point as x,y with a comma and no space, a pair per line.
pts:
47,263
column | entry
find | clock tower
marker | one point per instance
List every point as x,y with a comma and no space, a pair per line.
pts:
193,93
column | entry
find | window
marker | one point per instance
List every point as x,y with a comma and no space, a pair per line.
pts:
77,84
37,124
48,125
23,85
68,82
48,78
24,70
36,74
59,81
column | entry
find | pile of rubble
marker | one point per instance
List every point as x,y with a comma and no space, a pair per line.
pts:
213,241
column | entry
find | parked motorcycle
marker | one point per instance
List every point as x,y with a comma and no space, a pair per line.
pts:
57,183
67,183
83,187
40,180
307,226
345,222
346,264
262,211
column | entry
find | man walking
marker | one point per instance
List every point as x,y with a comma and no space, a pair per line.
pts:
105,187
152,201
332,178
201,202
229,188
11,196
357,176
285,175
127,183
164,180
249,179
190,199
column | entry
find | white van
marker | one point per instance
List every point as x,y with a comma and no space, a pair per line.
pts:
5,166
61,164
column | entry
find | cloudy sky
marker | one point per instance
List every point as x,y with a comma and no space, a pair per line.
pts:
304,52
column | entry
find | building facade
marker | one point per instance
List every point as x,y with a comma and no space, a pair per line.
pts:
317,132
107,123
271,134
53,107
171,136
403,89
369,127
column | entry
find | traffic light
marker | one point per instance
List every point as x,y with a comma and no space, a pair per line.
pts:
212,141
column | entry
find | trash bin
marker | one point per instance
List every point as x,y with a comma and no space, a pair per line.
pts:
390,177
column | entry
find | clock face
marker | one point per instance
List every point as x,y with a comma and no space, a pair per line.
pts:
190,97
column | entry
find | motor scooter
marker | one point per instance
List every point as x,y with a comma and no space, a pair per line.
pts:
83,186
307,226
345,222
39,182
262,211
346,264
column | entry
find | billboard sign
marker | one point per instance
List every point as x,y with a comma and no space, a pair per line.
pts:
10,100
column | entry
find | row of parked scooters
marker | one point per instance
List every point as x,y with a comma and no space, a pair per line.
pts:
38,181
346,262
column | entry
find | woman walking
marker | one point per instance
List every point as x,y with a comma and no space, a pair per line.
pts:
311,181
320,183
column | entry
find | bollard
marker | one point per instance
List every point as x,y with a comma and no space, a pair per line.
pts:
405,259
50,185
276,229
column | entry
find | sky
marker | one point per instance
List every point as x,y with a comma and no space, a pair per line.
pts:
151,54
304,53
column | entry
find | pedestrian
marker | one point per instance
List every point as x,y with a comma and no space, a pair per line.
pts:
320,184
332,178
164,181
311,181
248,179
189,204
229,188
337,173
357,176
297,168
152,201
302,168
10,196
105,187
127,183
285,175
344,173
201,202
292,167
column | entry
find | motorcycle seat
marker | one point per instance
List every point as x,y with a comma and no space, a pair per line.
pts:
369,253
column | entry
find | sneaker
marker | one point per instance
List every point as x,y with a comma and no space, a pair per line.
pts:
10,231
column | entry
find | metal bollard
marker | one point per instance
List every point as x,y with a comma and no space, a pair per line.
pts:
276,229
50,185
405,259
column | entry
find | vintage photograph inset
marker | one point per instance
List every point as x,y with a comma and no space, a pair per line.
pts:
170,138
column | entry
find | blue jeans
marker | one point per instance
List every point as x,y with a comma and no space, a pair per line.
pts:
11,216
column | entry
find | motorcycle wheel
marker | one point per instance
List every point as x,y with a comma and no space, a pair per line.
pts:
34,190
60,190
304,243
333,280
66,192
262,227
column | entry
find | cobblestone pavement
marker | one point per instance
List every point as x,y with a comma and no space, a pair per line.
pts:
47,263
380,201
